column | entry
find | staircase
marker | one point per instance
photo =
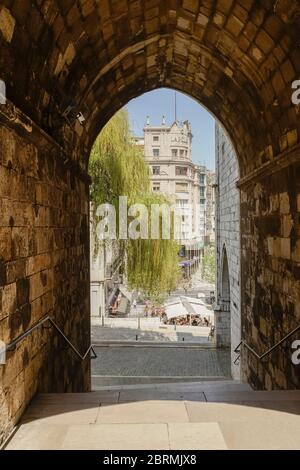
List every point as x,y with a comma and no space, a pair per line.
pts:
208,415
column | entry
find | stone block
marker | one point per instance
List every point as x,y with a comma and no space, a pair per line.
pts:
285,248
287,224
7,24
20,242
9,300
284,203
5,243
296,252
40,283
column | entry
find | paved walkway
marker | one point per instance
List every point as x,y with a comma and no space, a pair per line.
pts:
127,330
161,362
208,416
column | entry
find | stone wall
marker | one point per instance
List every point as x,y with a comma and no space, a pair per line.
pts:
44,265
228,313
270,227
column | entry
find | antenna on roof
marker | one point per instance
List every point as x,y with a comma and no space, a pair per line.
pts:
175,106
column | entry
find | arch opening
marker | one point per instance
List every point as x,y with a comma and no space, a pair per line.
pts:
223,313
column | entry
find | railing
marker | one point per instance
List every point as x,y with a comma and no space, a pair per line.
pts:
12,346
268,352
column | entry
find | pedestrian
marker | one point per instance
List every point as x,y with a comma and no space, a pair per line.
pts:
134,304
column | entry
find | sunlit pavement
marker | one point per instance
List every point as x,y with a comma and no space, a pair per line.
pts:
209,415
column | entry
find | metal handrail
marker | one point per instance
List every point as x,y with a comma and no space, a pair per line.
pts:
269,351
11,346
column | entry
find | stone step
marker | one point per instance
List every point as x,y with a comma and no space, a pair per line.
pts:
201,344
183,385
49,404
235,396
100,381
227,391
202,415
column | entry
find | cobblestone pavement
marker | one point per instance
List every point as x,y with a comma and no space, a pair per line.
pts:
155,362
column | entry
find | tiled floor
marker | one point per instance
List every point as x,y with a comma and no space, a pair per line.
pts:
176,416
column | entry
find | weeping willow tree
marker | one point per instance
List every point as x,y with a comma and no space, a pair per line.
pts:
116,165
118,168
209,265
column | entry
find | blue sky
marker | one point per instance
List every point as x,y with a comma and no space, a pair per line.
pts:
161,101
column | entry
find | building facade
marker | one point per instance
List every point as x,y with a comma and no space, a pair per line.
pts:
105,276
228,299
168,152
207,205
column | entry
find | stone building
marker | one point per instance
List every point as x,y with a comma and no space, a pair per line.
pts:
228,298
207,205
168,152
106,279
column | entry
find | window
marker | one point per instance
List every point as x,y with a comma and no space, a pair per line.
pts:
174,153
202,201
182,202
156,170
155,138
202,179
182,187
156,187
202,193
155,152
181,171
181,153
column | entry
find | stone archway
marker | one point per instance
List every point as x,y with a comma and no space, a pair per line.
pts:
225,293
61,58
223,308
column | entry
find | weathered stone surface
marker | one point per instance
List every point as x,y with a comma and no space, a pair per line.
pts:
44,262
270,275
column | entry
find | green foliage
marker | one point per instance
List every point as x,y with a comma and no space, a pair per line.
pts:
209,265
117,168
116,165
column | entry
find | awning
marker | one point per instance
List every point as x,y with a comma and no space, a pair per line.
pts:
199,307
183,306
175,310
